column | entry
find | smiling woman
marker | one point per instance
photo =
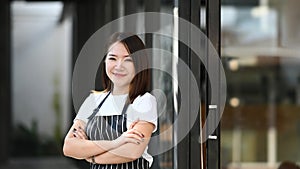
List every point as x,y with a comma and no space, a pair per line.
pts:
113,127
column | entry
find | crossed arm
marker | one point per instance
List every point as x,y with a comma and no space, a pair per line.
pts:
128,147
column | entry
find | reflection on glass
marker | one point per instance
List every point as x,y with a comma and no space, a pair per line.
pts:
261,122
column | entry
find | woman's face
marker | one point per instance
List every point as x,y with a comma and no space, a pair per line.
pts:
119,66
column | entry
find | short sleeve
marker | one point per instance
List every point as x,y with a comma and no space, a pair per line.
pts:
86,109
143,108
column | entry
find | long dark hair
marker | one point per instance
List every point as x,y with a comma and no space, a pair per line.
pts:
141,81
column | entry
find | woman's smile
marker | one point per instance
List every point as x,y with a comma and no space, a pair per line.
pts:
119,74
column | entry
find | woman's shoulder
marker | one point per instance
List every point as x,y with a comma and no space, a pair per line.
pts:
144,102
145,97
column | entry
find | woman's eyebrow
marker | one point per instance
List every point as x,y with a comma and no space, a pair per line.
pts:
112,54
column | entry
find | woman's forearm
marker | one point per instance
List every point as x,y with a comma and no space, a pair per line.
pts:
78,146
129,151
111,158
125,153
82,149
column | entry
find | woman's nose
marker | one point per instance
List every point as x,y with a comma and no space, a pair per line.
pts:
119,63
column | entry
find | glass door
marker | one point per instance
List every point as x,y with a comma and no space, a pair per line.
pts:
260,125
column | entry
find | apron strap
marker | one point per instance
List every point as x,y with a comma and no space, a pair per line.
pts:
95,111
127,102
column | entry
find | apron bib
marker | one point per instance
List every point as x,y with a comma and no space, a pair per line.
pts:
110,128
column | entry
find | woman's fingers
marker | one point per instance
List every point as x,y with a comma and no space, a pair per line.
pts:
136,132
79,133
133,140
130,136
134,136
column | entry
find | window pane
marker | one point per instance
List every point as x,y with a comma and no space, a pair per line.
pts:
261,122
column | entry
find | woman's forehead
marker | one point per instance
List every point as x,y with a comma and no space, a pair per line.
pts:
118,48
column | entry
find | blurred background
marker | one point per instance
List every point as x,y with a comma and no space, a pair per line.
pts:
258,42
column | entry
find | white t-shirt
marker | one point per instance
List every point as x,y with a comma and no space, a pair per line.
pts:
143,108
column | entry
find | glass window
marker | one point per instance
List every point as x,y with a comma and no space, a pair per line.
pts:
261,125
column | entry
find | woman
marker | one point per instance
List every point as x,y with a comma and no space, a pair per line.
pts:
112,128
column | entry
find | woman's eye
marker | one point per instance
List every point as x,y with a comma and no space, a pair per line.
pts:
111,58
129,59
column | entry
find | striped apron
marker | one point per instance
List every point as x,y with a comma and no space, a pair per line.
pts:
110,128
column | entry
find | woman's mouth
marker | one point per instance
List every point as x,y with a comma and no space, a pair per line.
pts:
119,74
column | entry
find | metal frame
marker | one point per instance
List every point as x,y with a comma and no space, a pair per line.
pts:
5,85
213,9
189,149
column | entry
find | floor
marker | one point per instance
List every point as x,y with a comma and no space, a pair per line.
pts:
40,163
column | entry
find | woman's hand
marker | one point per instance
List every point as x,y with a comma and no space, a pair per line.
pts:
130,136
79,133
128,152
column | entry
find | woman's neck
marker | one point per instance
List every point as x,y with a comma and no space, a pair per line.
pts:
120,91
